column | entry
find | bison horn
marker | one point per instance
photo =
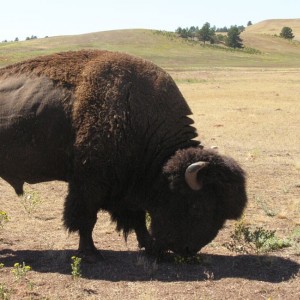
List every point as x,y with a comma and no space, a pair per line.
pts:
191,175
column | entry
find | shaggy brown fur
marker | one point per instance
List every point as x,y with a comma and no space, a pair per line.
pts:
121,123
65,67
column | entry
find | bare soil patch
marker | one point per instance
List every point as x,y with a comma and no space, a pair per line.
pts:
252,115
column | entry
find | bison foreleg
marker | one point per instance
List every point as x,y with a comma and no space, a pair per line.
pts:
128,220
142,234
145,240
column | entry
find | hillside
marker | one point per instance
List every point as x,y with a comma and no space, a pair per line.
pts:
163,49
265,37
167,50
272,27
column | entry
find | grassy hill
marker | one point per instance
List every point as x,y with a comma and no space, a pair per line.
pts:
167,50
265,37
272,27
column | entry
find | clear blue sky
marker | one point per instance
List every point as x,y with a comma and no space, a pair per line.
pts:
21,18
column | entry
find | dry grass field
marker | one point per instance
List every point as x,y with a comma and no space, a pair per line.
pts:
252,114
272,27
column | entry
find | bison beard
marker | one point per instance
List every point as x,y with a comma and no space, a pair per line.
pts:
116,128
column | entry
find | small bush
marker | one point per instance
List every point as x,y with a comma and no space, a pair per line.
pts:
20,271
251,50
245,240
287,33
76,267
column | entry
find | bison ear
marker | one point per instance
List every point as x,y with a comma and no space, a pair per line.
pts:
191,173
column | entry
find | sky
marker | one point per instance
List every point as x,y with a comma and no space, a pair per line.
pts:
22,18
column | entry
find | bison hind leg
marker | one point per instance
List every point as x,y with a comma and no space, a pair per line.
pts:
72,212
80,216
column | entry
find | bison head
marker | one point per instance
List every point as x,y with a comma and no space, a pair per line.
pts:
201,189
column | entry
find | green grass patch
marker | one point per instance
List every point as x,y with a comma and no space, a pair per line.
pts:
190,80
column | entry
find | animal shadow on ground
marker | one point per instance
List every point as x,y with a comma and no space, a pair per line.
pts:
134,266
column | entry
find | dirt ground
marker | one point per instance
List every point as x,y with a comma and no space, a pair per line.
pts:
252,115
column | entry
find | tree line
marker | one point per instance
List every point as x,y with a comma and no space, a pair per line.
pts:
28,38
207,33
211,34
226,36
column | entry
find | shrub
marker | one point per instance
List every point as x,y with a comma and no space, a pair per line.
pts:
76,267
233,38
20,271
245,240
287,33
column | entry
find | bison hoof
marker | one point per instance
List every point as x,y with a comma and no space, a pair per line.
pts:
153,250
90,256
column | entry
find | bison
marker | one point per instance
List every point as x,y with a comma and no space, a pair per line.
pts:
117,129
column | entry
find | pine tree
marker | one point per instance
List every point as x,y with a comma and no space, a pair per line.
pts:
287,33
233,38
206,33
